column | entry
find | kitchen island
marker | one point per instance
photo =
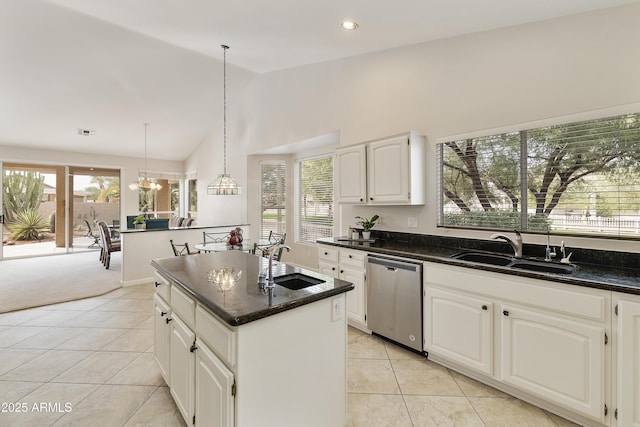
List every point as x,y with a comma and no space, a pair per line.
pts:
233,356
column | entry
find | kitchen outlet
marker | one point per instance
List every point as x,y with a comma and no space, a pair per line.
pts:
412,222
337,309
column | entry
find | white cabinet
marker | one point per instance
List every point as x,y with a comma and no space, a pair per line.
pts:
214,389
628,361
351,174
389,171
162,336
182,371
348,265
459,328
532,338
558,359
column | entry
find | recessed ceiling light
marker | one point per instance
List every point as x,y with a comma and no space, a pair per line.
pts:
86,132
349,25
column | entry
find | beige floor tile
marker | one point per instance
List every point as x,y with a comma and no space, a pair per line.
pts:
126,319
50,338
509,412
108,406
560,422
46,366
365,346
424,377
147,324
48,403
159,410
371,376
15,318
473,388
89,319
81,304
52,318
127,304
145,291
119,292
11,358
13,391
399,353
376,410
143,370
442,411
91,339
12,336
132,340
97,368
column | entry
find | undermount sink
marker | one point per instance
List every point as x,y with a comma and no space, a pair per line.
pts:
296,281
482,258
515,263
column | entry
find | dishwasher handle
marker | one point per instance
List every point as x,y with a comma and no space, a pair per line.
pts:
394,265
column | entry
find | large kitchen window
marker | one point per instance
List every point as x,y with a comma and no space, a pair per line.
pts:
273,197
578,178
314,204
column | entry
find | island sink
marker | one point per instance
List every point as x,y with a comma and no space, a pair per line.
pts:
297,281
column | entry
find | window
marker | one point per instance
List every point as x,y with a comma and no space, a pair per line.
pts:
272,197
314,179
192,198
578,178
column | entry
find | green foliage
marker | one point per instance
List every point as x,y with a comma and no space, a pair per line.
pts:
22,191
506,220
139,219
367,224
28,225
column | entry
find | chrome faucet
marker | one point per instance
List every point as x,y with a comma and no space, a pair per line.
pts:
550,252
272,250
516,245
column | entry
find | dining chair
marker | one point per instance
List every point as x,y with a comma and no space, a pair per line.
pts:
274,238
217,237
108,245
181,250
95,235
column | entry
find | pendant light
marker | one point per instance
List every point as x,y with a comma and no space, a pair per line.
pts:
143,183
224,185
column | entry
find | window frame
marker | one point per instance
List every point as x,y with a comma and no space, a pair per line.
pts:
299,196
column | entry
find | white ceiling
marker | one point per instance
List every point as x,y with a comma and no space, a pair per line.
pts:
110,65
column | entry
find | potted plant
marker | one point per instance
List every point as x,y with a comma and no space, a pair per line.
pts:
367,225
138,222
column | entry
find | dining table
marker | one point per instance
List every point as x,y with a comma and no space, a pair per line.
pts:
246,246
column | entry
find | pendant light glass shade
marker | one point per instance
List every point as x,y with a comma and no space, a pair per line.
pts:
143,183
224,185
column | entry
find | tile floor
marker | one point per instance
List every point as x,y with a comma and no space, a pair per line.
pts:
90,362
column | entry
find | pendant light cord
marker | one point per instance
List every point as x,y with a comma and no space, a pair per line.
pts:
224,105
145,150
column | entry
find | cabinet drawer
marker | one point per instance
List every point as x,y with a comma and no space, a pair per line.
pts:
219,337
163,287
327,254
184,306
352,259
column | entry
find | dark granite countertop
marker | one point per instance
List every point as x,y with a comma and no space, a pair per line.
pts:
613,276
245,302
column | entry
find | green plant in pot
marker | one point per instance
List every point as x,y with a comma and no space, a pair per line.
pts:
367,225
138,222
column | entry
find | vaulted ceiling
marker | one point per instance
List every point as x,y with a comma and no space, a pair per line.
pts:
110,65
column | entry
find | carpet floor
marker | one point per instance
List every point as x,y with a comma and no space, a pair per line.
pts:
33,282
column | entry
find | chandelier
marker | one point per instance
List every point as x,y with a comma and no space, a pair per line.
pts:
224,185
143,183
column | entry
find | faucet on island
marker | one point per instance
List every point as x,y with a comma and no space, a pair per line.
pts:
516,245
272,250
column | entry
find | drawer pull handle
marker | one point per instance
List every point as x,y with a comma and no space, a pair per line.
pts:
157,284
326,253
350,256
193,348
505,312
484,307
163,313
168,320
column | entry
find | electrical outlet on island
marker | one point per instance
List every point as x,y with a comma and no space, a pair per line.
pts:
412,222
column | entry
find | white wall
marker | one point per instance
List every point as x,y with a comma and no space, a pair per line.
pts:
482,81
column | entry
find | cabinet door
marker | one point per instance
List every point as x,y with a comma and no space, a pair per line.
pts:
555,358
459,328
628,377
214,390
351,175
389,171
182,371
355,298
162,337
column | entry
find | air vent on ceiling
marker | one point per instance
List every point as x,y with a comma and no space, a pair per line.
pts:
86,132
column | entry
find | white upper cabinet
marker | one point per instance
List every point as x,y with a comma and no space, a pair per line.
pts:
351,173
389,171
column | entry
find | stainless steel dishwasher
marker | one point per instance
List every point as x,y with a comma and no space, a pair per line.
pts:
394,299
